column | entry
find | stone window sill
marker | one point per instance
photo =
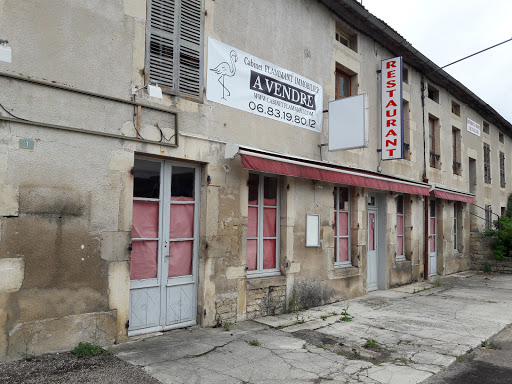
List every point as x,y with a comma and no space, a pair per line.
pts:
265,282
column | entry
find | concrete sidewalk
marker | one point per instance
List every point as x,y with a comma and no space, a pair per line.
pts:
403,335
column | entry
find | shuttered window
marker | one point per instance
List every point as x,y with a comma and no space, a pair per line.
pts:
487,163
174,43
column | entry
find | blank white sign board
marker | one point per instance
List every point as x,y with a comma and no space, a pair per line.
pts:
348,123
312,230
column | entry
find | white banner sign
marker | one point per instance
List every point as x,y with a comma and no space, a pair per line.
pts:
242,81
392,118
473,127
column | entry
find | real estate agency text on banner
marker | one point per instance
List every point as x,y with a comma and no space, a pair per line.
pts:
242,81
392,114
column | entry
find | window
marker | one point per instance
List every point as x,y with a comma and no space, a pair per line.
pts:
343,84
407,132
488,217
485,127
501,138
487,163
433,93
263,225
342,227
348,39
455,108
456,151
502,170
174,46
456,212
400,228
433,133
405,75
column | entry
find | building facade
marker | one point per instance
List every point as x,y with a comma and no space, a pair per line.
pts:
123,214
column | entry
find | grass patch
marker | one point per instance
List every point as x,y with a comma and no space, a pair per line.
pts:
254,343
87,349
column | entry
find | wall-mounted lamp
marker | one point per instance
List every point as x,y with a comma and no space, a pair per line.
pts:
5,51
153,90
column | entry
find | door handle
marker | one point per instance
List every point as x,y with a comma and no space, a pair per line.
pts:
167,256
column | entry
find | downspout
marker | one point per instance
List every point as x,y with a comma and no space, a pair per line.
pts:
425,180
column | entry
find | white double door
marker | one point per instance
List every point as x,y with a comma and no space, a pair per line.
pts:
164,248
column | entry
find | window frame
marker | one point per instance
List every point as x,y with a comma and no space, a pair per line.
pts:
488,216
178,43
456,211
456,149
259,271
402,256
337,236
502,169
432,144
487,164
339,73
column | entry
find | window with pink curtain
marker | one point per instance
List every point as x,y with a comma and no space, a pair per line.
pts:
341,225
400,226
432,229
262,223
144,255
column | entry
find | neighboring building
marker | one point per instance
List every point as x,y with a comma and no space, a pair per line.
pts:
123,214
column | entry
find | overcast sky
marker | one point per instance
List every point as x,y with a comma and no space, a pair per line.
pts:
448,30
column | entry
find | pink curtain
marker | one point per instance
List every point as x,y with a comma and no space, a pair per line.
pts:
145,219
371,242
143,264
343,224
252,226
343,249
400,246
270,202
399,225
252,251
180,262
182,221
269,222
432,231
269,254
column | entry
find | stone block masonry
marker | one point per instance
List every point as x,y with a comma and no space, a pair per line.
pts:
268,301
482,255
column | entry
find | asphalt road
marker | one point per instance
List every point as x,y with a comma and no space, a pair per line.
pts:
490,364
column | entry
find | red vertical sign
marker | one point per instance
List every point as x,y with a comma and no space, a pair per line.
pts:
392,114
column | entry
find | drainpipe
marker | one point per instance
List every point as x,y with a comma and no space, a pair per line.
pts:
425,180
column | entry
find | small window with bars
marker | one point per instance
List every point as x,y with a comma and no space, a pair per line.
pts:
174,40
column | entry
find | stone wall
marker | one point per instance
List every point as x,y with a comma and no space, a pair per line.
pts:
266,301
481,254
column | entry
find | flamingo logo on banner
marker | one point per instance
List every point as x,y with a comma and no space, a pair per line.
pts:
392,114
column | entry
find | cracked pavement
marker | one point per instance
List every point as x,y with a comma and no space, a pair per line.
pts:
419,330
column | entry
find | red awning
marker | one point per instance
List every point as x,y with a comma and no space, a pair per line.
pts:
453,195
326,172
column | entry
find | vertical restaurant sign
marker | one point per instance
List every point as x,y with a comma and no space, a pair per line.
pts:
242,81
392,114
473,127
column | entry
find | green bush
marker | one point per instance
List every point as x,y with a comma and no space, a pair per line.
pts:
501,233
